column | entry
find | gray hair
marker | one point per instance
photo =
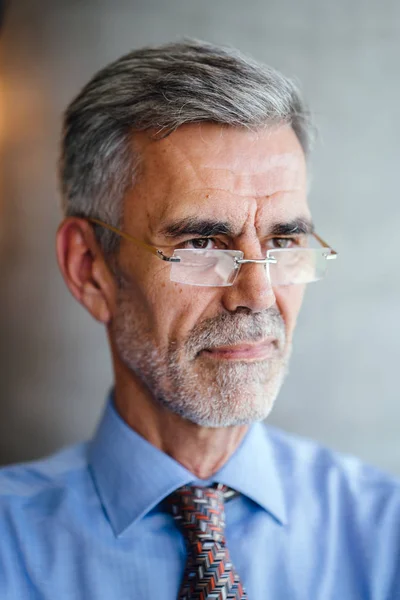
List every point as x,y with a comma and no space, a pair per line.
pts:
160,89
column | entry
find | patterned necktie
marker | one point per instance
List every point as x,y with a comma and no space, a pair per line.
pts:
209,573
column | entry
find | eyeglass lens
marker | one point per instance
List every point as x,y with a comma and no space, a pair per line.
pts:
205,267
218,267
300,265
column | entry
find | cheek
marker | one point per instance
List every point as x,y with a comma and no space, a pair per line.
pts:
166,310
185,306
174,309
289,300
142,292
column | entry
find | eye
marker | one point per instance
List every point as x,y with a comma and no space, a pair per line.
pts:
283,242
200,244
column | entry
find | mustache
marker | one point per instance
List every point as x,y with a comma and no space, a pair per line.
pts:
228,329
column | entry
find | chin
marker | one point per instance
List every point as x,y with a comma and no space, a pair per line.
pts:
224,410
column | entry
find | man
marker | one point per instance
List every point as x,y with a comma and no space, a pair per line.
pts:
188,235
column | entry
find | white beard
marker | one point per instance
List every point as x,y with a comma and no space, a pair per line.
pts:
208,392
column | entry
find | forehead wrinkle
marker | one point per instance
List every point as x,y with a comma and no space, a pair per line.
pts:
203,205
263,163
254,184
208,179
279,172
170,193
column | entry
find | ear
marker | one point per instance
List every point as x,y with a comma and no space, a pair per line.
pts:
84,269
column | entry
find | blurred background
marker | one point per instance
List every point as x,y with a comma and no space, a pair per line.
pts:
54,364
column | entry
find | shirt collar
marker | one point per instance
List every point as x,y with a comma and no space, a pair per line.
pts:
132,476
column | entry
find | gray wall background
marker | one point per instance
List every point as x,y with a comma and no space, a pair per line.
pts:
54,364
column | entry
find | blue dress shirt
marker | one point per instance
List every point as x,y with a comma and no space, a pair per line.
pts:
89,522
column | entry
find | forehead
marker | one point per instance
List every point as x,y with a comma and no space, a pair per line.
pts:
212,169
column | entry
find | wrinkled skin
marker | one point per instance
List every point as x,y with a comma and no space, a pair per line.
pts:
171,380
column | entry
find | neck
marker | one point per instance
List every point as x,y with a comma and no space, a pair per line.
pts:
201,450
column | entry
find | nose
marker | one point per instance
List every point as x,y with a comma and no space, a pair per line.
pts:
252,289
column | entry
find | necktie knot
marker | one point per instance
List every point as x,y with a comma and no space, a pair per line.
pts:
200,512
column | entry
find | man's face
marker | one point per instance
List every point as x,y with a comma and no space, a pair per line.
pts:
214,355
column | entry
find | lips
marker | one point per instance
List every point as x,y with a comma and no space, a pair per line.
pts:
244,351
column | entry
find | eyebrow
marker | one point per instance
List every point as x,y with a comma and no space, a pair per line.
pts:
195,226
211,227
298,226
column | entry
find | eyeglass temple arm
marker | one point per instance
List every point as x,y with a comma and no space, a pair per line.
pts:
325,245
128,237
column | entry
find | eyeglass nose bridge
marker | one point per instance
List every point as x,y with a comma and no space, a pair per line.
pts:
260,261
